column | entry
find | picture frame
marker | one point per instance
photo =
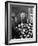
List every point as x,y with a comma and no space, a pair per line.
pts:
20,8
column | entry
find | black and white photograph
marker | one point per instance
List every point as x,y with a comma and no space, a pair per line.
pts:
20,22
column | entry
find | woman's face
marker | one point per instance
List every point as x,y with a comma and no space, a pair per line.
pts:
22,15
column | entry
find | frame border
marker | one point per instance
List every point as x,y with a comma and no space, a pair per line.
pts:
6,19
